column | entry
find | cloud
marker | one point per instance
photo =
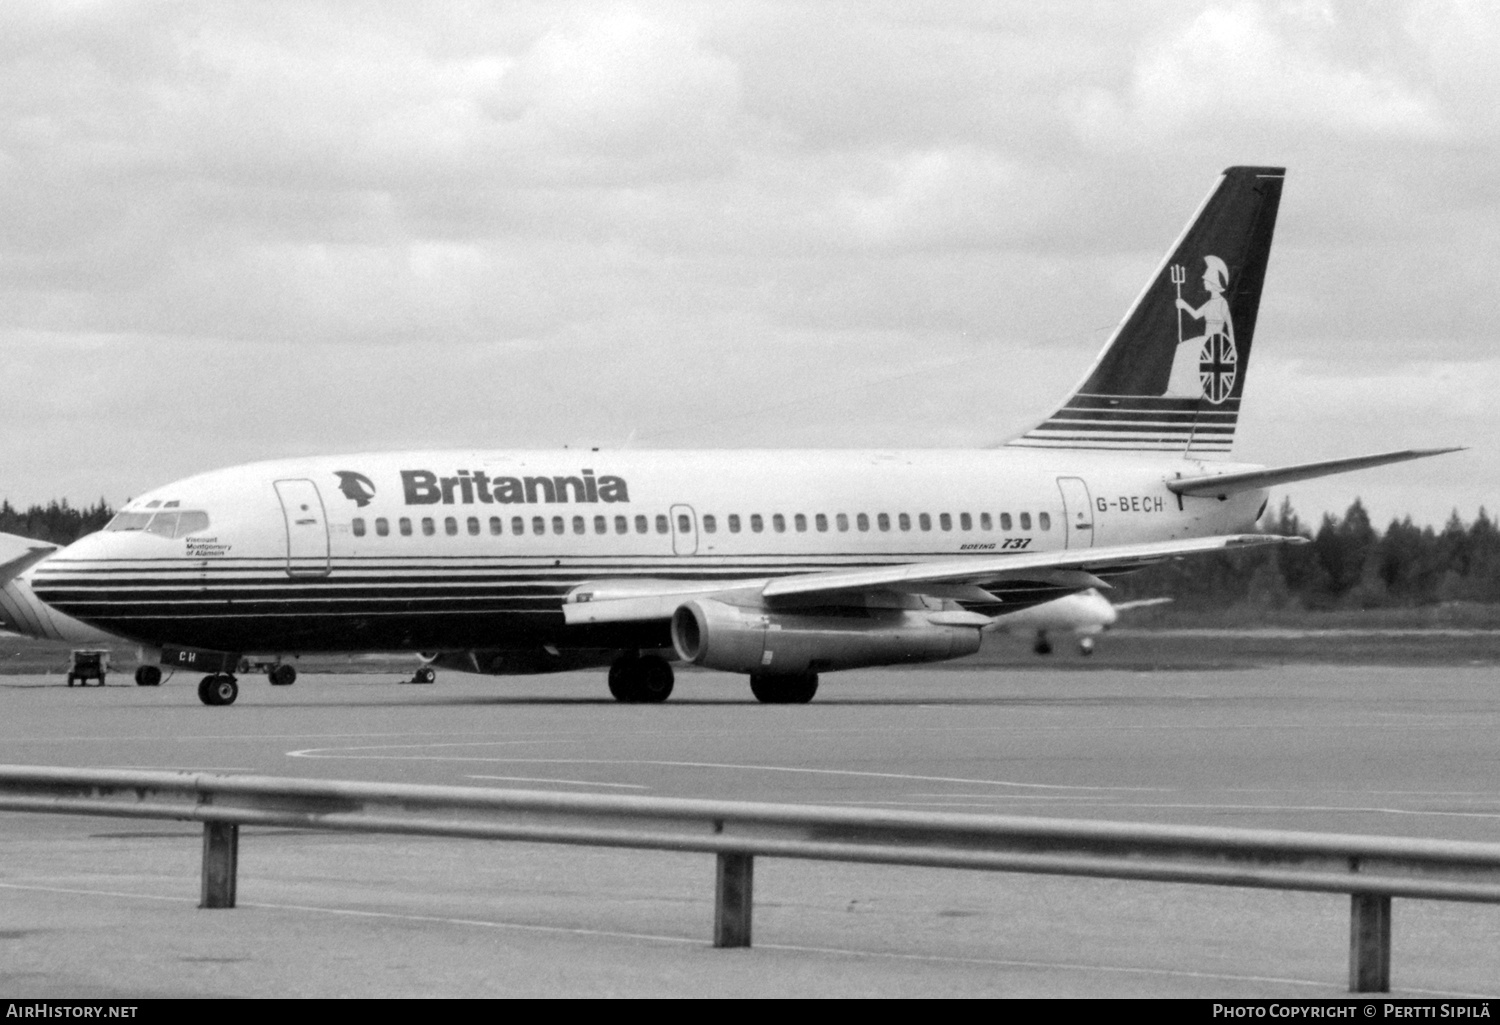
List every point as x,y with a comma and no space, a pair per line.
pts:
1282,65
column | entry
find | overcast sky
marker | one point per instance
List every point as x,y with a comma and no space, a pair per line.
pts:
234,231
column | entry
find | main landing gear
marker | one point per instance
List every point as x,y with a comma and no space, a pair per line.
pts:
219,689
784,690
640,679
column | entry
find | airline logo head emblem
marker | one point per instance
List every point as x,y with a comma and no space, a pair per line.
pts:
356,487
1206,365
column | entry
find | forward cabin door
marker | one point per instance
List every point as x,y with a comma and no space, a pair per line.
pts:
684,530
1078,512
306,528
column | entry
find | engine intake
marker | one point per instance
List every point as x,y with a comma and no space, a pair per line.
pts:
717,635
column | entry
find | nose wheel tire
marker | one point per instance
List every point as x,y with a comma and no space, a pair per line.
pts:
282,675
641,679
218,690
784,690
148,676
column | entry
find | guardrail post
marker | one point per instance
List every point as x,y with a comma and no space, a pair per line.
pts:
221,856
733,899
1370,943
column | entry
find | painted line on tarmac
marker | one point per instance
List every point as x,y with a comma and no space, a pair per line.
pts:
697,941
564,782
325,753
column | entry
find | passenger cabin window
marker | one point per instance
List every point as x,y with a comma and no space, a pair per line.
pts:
904,521
1026,521
800,521
778,523
578,525
734,523
883,521
601,525
405,524
450,526
756,523
359,527
945,520
862,521
539,525
965,522
622,525
557,525
518,525
662,526
428,527
684,523
924,521
984,521
1005,521
641,526
821,520
843,522
495,522
1044,520
710,524
473,526
383,526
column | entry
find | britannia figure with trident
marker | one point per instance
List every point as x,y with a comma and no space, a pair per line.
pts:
1204,367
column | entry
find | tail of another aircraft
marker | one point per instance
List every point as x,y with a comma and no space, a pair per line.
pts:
1171,376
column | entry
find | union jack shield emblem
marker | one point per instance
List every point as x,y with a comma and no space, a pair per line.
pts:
1217,364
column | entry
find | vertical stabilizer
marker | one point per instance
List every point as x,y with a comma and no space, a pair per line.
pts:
1171,376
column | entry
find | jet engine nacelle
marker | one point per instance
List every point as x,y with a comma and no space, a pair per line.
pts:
738,640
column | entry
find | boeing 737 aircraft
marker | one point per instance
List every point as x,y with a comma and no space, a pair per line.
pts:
1085,615
780,565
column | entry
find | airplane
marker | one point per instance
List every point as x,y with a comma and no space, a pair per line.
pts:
1085,614
777,565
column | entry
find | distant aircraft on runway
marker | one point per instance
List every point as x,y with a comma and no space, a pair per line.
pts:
1085,615
779,565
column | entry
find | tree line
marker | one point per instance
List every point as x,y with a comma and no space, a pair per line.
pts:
1348,564
57,521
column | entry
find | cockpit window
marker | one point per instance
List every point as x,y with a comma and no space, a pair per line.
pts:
129,521
167,523
191,521
163,523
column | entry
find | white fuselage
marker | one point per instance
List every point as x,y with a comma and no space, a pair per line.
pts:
452,550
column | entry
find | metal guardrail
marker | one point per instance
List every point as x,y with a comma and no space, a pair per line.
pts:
1372,870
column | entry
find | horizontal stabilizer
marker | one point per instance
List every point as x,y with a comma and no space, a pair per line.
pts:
1221,485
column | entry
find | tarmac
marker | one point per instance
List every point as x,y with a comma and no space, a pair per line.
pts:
107,908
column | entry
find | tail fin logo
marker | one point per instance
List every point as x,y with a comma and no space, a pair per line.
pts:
1204,366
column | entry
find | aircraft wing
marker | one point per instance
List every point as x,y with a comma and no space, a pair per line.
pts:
627,601
17,553
1221,485
1140,603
